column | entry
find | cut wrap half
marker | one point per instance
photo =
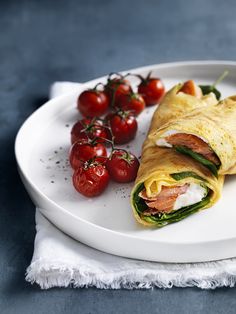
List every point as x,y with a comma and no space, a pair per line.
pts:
208,136
170,187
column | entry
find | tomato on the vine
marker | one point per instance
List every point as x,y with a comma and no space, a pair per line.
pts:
91,179
132,102
116,87
122,166
152,89
88,129
123,126
92,103
83,151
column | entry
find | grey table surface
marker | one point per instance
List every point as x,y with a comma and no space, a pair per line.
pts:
45,41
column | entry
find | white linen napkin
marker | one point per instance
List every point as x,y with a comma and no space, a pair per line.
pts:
60,261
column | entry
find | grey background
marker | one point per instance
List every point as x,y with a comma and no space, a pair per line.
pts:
45,41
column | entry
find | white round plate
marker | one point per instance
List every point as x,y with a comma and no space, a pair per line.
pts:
106,222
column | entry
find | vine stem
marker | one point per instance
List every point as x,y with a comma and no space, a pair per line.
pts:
98,84
220,79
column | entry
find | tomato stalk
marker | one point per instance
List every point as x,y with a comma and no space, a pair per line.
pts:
92,162
114,84
121,76
88,127
123,114
111,142
144,80
113,90
126,155
95,88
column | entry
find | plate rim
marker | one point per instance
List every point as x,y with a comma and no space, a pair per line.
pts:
71,94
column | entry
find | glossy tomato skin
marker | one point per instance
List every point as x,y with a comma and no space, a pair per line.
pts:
117,87
132,102
88,129
123,126
92,103
83,151
121,169
92,180
152,90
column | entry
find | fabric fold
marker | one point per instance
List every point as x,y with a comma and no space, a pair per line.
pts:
60,261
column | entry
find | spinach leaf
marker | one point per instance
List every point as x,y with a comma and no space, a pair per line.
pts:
138,202
210,165
177,215
207,89
186,174
161,220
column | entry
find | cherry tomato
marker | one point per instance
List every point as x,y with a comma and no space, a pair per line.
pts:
116,87
83,151
122,166
152,89
132,102
123,126
88,129
91,180
92,103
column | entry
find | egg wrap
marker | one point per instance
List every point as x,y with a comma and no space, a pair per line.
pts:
165,167
215,125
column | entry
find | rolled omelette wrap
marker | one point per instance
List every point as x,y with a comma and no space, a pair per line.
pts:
170,187
208,136
178,102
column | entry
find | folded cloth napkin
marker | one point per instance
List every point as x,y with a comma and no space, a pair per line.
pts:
60,261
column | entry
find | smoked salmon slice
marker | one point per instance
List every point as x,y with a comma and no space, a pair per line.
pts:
164,201
191,88
194,143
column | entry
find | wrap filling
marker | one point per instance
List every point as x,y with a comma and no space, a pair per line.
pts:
174,202
173,198
192,145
